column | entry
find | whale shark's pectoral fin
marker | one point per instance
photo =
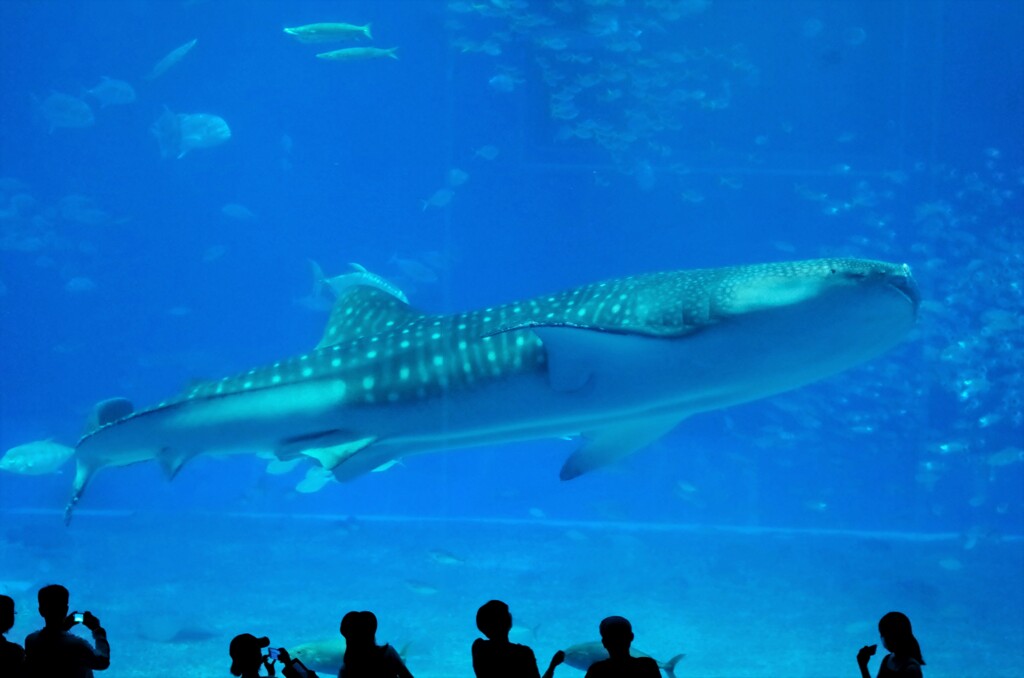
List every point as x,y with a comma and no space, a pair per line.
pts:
612,443
329,448
577,354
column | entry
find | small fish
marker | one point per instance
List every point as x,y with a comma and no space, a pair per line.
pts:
487,152
179,133
359,54
1005,457
80,285
214,253
36,458
951,564
442,557
439,199
420,588
64,110
173,57
312,34
202,130
387,465
233,210
112,92
455,177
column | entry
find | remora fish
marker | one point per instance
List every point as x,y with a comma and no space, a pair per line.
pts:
620,361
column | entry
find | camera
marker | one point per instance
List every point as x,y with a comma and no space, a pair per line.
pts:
272,653
79,617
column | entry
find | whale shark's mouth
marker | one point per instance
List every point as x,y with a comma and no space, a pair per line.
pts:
907,286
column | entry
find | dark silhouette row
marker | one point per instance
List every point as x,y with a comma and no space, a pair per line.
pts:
53,652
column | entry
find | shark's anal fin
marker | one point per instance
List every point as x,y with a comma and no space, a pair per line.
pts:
612,443
329,448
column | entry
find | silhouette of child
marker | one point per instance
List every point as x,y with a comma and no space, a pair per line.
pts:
496,657
904,658
53,651
12,657
363,657
616,636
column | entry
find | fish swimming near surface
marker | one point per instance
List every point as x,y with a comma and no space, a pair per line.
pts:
584,655
619,362
359,54
329,32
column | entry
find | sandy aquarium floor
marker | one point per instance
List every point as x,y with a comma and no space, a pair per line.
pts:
172,589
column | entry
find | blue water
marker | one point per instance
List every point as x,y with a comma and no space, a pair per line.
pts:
600,139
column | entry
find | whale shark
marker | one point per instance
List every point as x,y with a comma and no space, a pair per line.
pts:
618,363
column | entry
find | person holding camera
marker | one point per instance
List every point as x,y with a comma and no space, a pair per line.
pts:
54,651
904,659
247,659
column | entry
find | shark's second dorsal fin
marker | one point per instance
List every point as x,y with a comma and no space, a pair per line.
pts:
107,412
363,310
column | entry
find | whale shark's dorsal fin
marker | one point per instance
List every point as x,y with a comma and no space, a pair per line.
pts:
364,310
107,412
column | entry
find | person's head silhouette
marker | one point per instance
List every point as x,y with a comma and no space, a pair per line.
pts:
53,604
246,654
6,614
898,637
616,636
494,620
359,628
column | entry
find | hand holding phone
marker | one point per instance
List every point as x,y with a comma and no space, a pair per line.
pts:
79,617
273,653
866,653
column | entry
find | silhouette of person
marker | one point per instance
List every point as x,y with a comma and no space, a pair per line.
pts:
904,658
247,659
496,657
53,651
12,657
616,636
363,657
